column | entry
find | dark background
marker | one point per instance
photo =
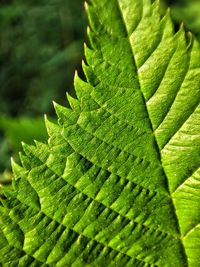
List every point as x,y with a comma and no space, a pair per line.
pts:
41,44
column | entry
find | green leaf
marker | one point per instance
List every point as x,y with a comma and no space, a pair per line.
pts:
22,129
188,11
14,131
118,182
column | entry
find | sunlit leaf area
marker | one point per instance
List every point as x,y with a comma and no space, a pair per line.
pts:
100,133
41,45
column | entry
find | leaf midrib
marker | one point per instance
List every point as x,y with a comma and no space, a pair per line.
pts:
94,199
151,126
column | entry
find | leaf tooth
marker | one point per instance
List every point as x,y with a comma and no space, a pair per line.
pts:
86,6
26,148
74,103
156,6
168,24
82,88
17,169
190,38
52,128
88,52
24,160
90,75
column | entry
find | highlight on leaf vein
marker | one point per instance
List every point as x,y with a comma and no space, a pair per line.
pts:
118,182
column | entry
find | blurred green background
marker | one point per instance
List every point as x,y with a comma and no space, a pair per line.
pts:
41,44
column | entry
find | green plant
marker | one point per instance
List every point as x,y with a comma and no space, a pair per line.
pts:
14,131
40,46
188,11
118,182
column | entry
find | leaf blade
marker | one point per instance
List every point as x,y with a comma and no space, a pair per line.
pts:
104,184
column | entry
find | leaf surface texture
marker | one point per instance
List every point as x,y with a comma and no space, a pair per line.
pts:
118,182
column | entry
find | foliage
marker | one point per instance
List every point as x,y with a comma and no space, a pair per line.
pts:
188,11
40,46
14,132
5,181
184,11
118,182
